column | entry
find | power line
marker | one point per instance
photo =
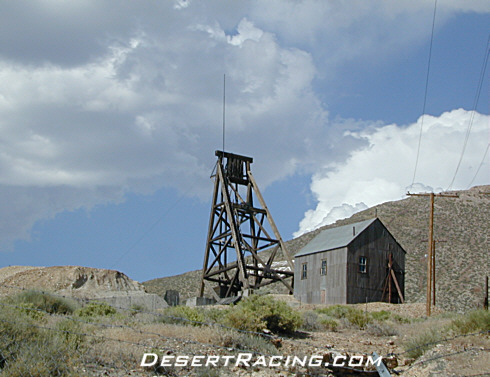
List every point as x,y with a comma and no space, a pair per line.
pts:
425,94
149,229
479,167
475,104
153,225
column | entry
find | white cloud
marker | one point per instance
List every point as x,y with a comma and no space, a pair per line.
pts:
382,170
146,114
93,107
374,31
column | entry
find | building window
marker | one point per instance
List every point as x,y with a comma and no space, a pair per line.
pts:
304,271
323,269
362,265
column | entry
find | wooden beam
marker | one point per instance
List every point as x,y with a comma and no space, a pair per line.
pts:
390,264
271,220
268,269
397,286
210,232
233,227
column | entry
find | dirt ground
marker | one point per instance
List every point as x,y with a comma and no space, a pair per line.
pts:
462,356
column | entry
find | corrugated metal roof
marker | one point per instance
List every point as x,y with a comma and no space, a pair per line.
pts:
334,238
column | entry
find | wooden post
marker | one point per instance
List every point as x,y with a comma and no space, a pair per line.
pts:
485,303
390,264
433,272
429,256
430,264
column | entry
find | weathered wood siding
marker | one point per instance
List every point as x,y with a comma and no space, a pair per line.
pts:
343,282
322,289
375,243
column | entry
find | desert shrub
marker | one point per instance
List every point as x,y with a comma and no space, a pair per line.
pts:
182,315
70,333
45,302
96,309
30,310
400,319
244,319
247,342
16,327
310,321
214,315
418,344
28,350
329,323
381,315
352,315
336,311
207,372
475,321
138,308
358,318
256,313
384,328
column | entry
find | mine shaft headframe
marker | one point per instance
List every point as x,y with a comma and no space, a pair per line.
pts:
237,226
235,167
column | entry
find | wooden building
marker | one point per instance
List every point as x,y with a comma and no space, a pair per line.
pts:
351,264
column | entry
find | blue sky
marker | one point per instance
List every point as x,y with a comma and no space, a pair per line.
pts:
111,113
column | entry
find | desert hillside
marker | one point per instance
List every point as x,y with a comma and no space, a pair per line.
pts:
70,280
462,254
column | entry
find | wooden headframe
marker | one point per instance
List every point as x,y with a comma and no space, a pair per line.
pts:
237,233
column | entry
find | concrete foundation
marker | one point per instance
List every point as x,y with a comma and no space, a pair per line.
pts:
145,301
200,301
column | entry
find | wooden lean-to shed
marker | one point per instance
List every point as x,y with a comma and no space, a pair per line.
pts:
351,264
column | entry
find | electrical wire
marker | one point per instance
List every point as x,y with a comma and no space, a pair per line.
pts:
473,111
425,94
148,230
479,167
154,224
160,219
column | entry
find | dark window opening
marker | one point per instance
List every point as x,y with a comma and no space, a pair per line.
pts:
323,268
362,265
304,271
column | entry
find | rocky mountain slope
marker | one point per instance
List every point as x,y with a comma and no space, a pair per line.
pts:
461,227
75,281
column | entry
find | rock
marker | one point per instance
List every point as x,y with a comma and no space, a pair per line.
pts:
391,361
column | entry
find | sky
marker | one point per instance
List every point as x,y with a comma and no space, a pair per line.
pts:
111,111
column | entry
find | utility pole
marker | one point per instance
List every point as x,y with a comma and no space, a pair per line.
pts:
433,270
431,247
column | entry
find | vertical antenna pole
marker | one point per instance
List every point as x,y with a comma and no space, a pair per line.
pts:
224,103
